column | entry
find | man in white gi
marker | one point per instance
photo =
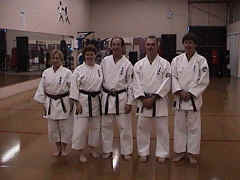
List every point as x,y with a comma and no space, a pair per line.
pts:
85,91
117,99
190,77
53,94
152,82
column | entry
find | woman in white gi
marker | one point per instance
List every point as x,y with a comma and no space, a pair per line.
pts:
53,94
85,91
151,85
190,77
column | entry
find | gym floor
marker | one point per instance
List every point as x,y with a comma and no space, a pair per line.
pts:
25,152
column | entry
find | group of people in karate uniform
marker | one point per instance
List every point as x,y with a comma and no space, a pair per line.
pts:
82,106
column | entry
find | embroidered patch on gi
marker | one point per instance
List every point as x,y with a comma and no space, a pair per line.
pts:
99,73
121,73
159,71
60,80
168,75
204,69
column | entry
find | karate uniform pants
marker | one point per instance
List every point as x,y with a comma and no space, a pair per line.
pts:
187,132
144,127
124,124
85,129
60,130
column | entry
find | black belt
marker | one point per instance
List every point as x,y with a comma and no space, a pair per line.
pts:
90,95
192,101
180,103
55,97
193,104
115,94
147,95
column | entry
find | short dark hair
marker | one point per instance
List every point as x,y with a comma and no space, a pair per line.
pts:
120,38
88,48
153,37
190,36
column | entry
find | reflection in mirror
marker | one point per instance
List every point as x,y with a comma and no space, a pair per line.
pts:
23,51
30,51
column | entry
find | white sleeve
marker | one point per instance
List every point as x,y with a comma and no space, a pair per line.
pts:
166,85
69,79
203,81
175,83
74,89
129,79
102,69
40,93
137,88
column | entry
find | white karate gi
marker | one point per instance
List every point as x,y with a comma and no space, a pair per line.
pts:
59,122
89,79
117,77
191,76
152,78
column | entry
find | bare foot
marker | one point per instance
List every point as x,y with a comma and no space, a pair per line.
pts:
55,154
83,159
107,155
64,153
161,160
179,157
193,160
127,157
94,154
143,159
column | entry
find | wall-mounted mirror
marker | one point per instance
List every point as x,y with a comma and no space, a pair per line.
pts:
24,51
